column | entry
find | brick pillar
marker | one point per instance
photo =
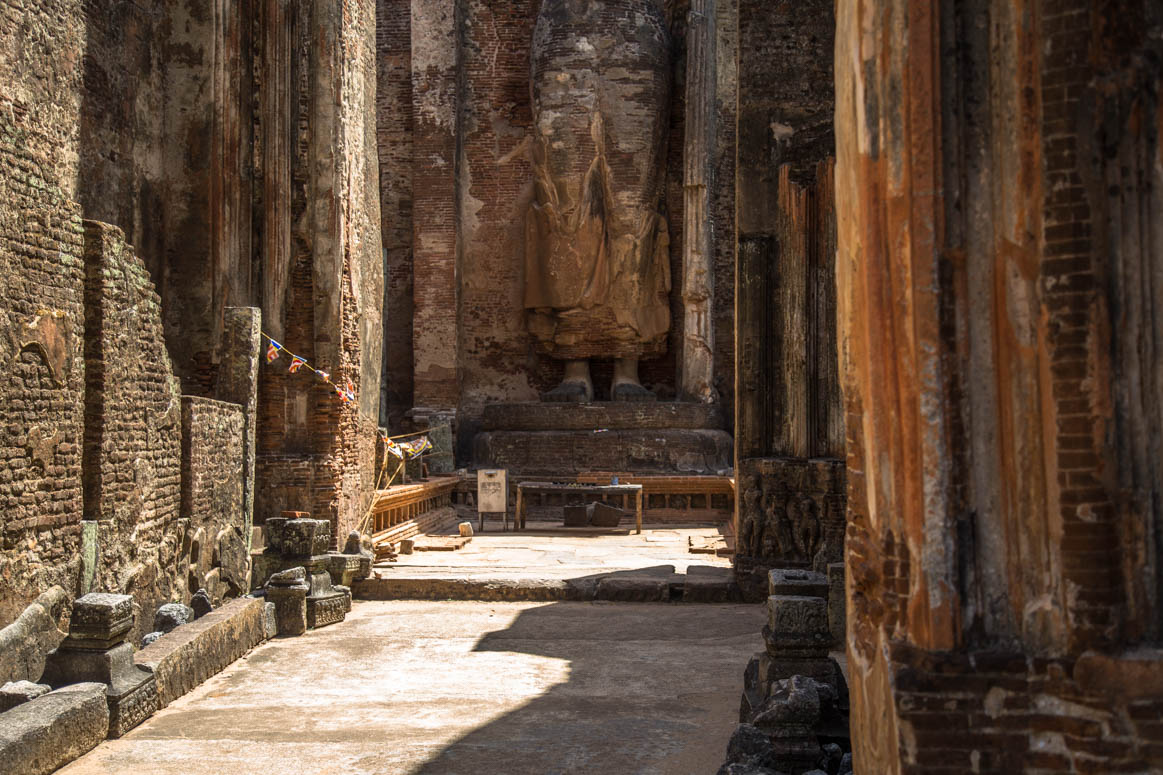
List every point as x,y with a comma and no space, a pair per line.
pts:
435,330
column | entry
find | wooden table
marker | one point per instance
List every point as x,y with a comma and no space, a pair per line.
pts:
583,492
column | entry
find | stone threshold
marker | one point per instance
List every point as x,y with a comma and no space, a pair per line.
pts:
617,586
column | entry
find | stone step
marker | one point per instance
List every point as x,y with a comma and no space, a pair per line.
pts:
614,587
559,453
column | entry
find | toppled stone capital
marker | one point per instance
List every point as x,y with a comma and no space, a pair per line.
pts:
100,621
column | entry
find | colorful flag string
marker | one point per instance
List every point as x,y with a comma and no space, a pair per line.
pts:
345,392
401,450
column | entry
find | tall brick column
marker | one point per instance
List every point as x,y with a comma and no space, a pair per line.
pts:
435,321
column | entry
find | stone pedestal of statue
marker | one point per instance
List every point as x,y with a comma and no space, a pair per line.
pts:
547,440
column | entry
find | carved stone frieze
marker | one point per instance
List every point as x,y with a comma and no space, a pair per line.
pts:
791,512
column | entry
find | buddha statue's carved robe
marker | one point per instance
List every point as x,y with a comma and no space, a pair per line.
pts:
597,253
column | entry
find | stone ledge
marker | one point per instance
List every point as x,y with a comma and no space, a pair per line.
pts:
45,734
194,652
620,588
538,416
560,453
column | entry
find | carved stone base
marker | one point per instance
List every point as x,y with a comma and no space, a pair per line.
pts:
543,439
131,705
132,692
329,609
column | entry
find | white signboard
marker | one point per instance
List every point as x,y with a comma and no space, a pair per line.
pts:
492,492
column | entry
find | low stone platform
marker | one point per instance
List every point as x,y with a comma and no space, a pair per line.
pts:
554,440
549,563
556,453
612,415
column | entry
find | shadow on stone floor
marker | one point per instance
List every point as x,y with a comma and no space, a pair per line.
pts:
653,689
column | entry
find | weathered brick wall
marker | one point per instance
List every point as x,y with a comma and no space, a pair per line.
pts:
333,313
42,349
132,470
1009,712
132,400
434,245
213,458
995,183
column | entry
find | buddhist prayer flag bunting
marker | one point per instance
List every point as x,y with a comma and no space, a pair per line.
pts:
409,450
274,350
402,450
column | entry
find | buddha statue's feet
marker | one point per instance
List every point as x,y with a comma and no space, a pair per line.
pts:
570,392
630,391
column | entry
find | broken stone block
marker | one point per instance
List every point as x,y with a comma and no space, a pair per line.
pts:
407,546
606,516
191,654
707,588
346,569
171,616
288,591
633,589
99,621
26,642
40,736
576,516
200,603
465,529
150,637
287,539
298,536
788,717
798,583
96,650
750,745
831,757
270,621
16,693
357,544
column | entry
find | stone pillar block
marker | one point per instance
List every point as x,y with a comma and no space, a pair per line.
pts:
288,591
801,583
837,604
797,627
96,650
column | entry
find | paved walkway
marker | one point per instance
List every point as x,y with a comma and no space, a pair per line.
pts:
542,552
464,687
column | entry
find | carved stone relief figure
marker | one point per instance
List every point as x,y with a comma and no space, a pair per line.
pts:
752,516
806,528
597,277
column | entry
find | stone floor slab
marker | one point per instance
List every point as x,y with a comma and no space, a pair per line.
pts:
464,687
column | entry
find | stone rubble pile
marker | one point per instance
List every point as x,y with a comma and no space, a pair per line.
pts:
794,709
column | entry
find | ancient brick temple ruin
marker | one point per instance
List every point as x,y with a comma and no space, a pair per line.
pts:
875,287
